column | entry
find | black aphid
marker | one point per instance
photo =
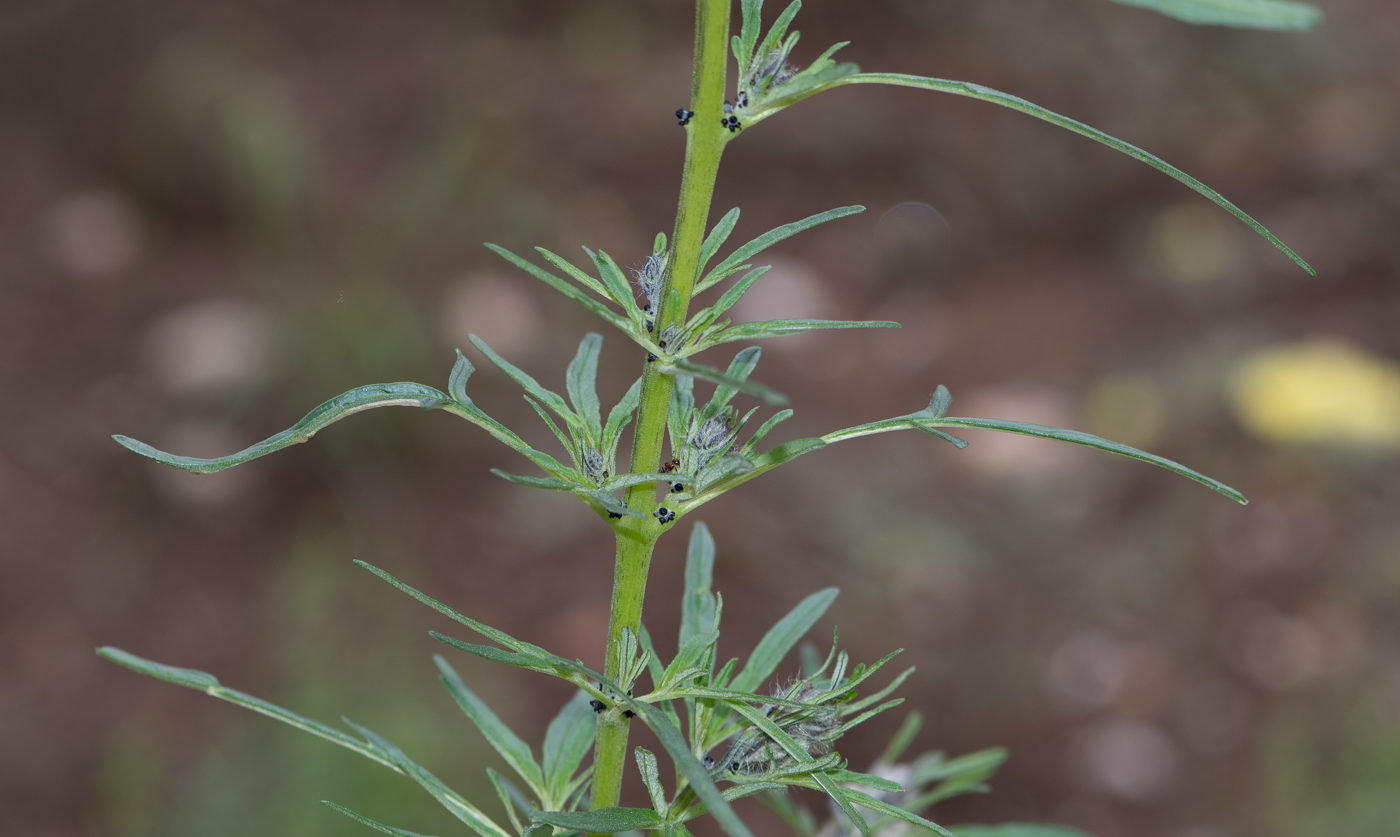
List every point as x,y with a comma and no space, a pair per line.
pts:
684,115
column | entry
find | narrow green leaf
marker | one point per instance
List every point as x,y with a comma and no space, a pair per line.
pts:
581,381
714,376
731,296
485,630
606,500
780,639
564,288
698,600
601,821
405,394
574,272
779,29
567,741
448,798
785,453
981,765
539,829
940,402
781,328
986,94
387,829
457,382
758,436
515,751
550,399
913,722
651,777
614,280
770,238
717,236
1278,15
209,684
797,817
1017,829
622,413
690,767
740,368
879,783
507,801
751,14
549,483
876,697
865,800
688,658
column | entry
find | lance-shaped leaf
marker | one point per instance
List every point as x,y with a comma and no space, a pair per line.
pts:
651,777
387,829
515,751
574,273
614,280
581,382
768,239
718,235
567,741
751,12
698,600
1280,15
780,328
986,94
1038,430
405,394
865,800
780,639
601,821
209,684
565,288
448,798
740,368
550,399
714,376
728,299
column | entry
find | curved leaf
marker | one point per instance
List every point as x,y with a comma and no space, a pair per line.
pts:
1279,15
405,394
515,751
987,94
1017,829
1041,431
581,383
781,638
714,376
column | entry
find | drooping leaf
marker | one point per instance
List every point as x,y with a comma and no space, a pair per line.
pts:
986,94
601,821
405,394
714,376
781,328
387,829
515,751
1279,15
768,239
780,639
581,381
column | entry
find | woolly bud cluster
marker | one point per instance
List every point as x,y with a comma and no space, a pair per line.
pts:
595,465
775,70
650,278
713,437
812,727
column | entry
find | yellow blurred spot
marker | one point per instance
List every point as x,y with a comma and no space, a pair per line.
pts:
1319,391
1193,242
1126,408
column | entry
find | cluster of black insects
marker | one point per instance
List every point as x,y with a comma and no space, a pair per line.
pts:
599,706
729,120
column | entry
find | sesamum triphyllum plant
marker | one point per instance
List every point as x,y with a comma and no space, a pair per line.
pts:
729,728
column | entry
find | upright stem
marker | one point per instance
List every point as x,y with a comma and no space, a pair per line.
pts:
636,537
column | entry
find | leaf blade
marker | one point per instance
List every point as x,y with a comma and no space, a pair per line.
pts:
1275,15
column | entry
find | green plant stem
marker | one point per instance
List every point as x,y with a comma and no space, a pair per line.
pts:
636,537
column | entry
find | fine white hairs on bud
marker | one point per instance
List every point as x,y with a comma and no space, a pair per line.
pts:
594,465
649,279
812,727
713,437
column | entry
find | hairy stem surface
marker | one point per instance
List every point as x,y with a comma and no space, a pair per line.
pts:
636,538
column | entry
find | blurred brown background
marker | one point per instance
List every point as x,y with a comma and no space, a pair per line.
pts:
214,216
